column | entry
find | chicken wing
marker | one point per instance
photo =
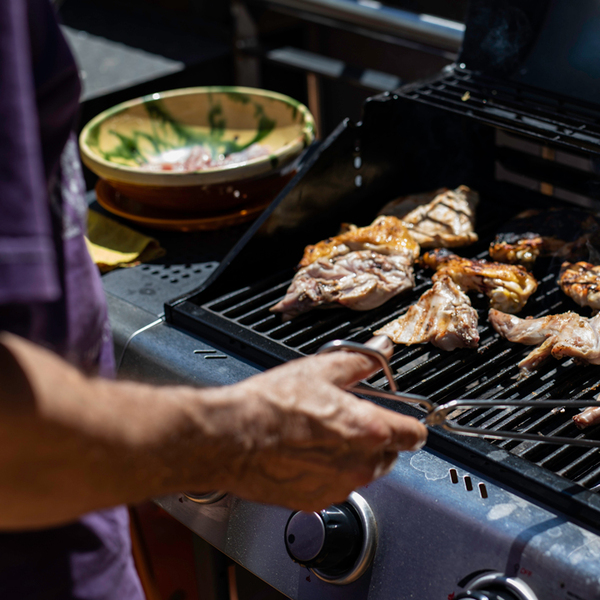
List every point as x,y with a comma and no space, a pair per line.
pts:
581,282
561,232
514,248
564,335
360,269
444,218
443,316
507,286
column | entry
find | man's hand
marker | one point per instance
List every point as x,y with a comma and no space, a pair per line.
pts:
305,442
289,436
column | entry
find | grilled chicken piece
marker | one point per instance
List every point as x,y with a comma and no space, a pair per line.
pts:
581,282
514,248
562,232
590,416
559,336
359,280
443,316
507,286
361,268
444,218
386,235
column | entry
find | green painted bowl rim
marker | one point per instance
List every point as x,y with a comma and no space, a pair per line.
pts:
227,173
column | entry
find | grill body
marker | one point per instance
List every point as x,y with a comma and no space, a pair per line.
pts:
540,518
410,141
462,505
440,522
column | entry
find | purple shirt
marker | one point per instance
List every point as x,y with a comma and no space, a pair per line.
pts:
50,291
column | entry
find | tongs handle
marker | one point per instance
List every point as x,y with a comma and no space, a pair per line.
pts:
407,398
336,345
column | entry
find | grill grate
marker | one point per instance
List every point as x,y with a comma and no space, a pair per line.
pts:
511,107
490,372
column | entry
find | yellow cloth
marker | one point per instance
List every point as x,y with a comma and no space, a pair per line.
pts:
113,245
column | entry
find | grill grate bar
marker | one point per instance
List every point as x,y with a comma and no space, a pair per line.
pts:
523,100
454,91
510,107
592,479
572,469
503,114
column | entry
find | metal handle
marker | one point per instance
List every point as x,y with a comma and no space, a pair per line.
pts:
336,345
439,415
422,28
407,398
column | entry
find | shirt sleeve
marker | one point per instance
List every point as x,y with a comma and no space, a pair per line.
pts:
28,270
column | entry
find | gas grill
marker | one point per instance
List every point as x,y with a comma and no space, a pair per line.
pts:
465,516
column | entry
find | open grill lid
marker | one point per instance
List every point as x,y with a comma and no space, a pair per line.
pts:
548,45
517,147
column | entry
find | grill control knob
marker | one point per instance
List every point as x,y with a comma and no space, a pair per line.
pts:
329,540
496,586
483,595
337,543
205,497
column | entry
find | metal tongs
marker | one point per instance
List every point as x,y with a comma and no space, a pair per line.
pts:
438,413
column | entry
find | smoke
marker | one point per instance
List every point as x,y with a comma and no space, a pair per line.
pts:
509,33
506,33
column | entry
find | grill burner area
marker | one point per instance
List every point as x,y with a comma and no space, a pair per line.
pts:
490,372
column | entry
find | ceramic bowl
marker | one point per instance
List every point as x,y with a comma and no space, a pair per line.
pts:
137,146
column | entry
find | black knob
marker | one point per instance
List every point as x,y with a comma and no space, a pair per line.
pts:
486,595
329,540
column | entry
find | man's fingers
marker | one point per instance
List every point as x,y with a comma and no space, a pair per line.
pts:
385,465
407,433
345,368
381,343
392,431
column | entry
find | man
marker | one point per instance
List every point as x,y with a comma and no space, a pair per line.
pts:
73,440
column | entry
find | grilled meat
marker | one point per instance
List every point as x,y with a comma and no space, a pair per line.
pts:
563,232
444,218
564,335
514,248
359,280
507,286
581,282
360,269
590,416
443,316
386,235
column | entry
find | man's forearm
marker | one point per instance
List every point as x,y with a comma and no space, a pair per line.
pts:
290,436
71,444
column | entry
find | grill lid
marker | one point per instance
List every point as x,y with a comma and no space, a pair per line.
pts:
551,45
